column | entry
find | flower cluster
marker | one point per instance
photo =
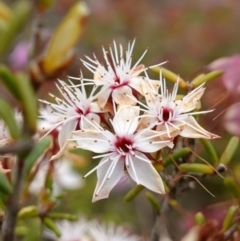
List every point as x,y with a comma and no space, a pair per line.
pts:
84,230
124,120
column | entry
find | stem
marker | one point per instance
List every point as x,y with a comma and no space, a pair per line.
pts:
16,147
9,221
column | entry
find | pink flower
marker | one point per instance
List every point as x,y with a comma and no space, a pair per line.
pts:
119,79
70,113
123,150
165,112
232,120
231,75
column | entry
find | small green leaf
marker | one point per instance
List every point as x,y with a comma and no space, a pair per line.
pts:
176,155
28,100
169,75
232,187
196,168
7,115
133,193
62,216
153,201
210,150
9,81
229,151
28,212
228,221
197,79
206,78
199,218
52,226
5,186
39,149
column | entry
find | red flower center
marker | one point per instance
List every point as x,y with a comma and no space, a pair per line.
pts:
166,114
123,144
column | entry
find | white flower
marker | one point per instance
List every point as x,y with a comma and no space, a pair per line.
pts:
84,230
67,114
119,79
64,177
163,112
100,232
70,231
4,135
123,150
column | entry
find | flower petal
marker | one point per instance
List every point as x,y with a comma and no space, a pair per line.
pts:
105,183
92,118
144,85
66,132
93,140
137,70
149,141
120,96
144,173
193,130
191,100
103,96
125,121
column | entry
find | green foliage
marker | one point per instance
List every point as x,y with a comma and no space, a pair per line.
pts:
52,226
6,113
204,78
9,80
39,149
28,100
196,168
181,153
229,150
5,186
21,12
210,150
228,221
232,187
133,193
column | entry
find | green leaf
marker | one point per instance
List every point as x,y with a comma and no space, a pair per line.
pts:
28,212
228,221
232,187
229,151
39,149
29,101
5,186
52,226
206,78
176,155
9,81
153,201
196,168
210,150
133,193
22,10
62,216
7,115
